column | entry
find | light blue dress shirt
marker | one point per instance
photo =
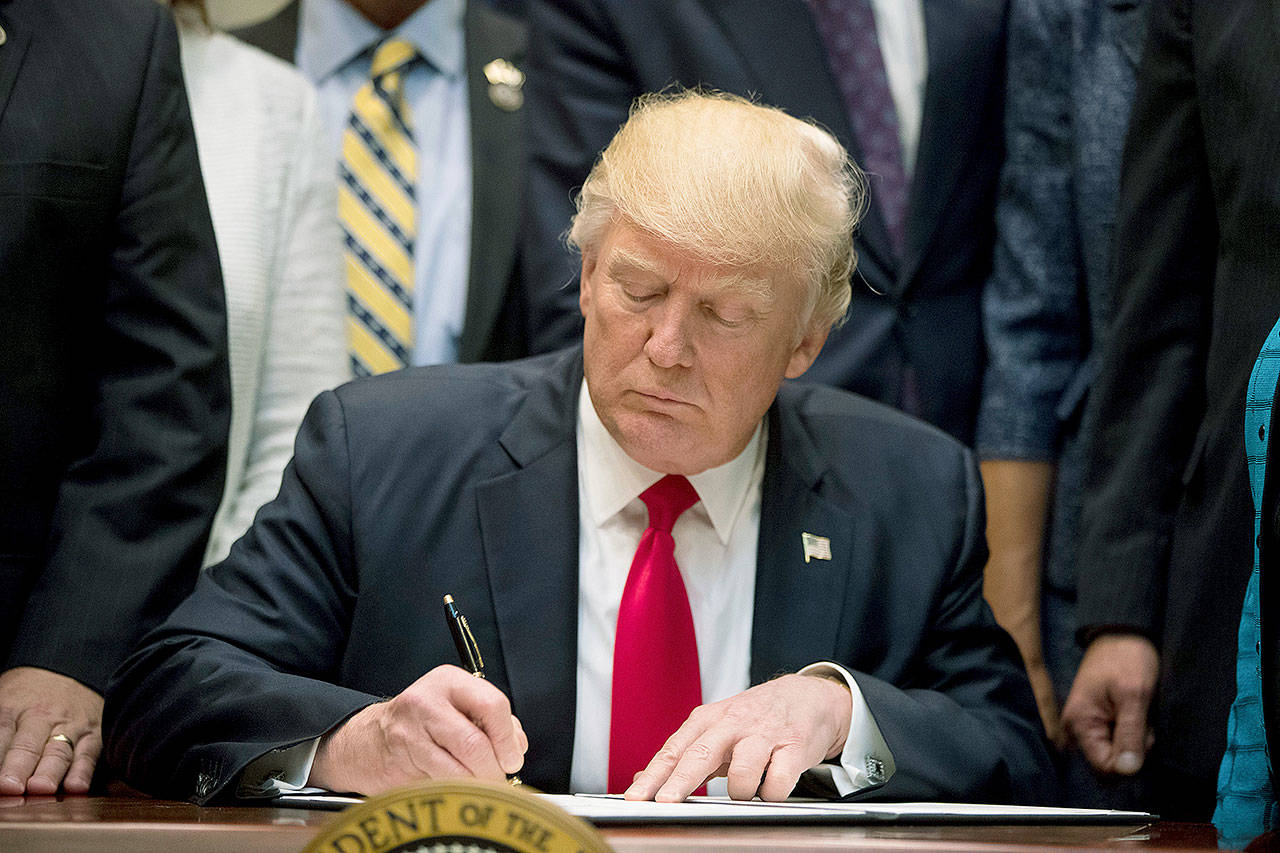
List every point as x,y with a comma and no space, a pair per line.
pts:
335,48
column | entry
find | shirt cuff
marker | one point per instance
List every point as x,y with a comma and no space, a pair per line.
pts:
866,761
280,771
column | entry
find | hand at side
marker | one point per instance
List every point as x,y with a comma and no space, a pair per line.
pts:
448,723
1018,496
36,704
762,739
1106,712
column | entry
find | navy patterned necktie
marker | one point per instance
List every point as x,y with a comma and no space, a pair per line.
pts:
848,30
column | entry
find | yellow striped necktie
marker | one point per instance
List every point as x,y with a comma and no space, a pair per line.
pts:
377,176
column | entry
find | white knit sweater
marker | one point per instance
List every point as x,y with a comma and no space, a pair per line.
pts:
272,194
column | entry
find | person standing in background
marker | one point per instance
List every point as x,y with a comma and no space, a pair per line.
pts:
1166,528
269,178
1246,804
422,103
114,386
1072,65
912,88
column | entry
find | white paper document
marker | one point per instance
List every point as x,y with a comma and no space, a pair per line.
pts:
612,809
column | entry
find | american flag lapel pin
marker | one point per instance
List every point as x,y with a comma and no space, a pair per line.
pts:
815,547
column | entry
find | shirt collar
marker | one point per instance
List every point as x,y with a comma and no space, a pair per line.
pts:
611,479
332,35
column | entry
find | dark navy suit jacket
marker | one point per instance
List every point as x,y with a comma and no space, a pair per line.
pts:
464,480
588,59
114,385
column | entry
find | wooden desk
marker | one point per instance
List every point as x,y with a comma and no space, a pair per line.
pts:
133,825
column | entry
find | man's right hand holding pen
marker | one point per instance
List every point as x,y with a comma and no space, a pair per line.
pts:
448,723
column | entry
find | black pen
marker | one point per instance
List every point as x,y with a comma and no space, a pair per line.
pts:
468,651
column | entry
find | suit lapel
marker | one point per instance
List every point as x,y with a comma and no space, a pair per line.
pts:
496,162
950,116
529,536
11,54
780,45
798,604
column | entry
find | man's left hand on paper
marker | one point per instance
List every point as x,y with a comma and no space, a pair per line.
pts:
761,739
50,732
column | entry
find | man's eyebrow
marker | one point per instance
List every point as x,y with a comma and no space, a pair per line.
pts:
623,263
749,285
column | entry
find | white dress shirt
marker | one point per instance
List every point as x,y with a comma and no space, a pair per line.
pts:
715,548
900,29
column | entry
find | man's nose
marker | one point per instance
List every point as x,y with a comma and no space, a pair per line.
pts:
669,343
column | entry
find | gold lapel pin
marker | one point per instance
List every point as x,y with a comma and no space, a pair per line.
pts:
815,547
506,84
4,37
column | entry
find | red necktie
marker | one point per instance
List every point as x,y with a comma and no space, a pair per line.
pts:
656,682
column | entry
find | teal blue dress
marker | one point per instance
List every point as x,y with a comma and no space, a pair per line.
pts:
1246,797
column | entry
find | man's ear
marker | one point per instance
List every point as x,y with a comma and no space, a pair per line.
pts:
584,283
807,349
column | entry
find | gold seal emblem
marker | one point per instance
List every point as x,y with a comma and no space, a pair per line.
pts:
457,817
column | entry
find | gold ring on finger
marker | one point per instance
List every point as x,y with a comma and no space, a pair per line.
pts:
63,739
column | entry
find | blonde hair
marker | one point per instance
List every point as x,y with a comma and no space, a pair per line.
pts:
733,184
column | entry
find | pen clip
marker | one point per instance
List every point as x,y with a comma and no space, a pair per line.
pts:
475,663
463,640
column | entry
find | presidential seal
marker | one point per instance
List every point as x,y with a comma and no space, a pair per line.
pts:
457,817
